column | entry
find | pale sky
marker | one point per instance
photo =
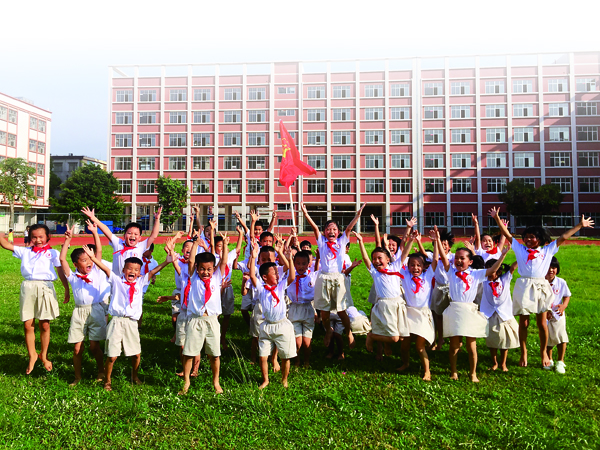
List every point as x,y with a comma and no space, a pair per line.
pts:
57,53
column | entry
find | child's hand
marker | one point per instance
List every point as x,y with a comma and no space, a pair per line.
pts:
255,248
225,241
475,219
67,297
254,216
157,213
91,226
375,220
239,230
385,241
361,208
417,236
88,212
164,298
196,209
586,223
294,231
469,246
505,222
177,236
412,222
279,246
505,249
274,215
432,235
472,240
202,244
169,260
494,212
549,315
88,252
225,284
288,253
69,233
436,232
213,224
359,238
560,309
356,262
237,216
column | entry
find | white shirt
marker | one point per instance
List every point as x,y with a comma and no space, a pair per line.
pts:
274,308
347,262
332,262
119,258
230,259
148,266
120,305
305,286
387,286
417,298
560,290
248,249
198,304
104,284
37,266
502,303
88,293
487,256
206,241
459,290
441,276
354,313
534,264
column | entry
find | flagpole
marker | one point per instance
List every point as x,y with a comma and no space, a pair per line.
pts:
292,207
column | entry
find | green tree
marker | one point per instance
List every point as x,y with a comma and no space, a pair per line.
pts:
172,196
55,183
15,175
92,187
548,199
530,204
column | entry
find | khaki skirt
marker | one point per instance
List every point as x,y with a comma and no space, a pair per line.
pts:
420,323
388,317
531,296
463,319
557,331
502,334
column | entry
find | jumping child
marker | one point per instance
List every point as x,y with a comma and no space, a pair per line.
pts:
557,328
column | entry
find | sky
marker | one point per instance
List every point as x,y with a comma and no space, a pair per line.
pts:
57,53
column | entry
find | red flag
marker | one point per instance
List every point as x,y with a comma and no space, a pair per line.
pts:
291,164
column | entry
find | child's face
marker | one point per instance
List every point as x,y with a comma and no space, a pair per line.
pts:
38,237
266,257
186,250
446,246
266,241
84,264
493,276
301,265
207,231
272,277
487,243
348,248
258,230
462,260
147,254
331,232
393,247
380,260
551,275
131,271
132,236
219,247
531,241
205,270
415,266
306,247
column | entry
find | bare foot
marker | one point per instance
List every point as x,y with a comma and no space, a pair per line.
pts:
75,382
342,356
379,357
387,349
351,340
454,376
523,359
545,360
194,374
504,368
184,389
179,374
285,384
297,362
252,363
173,339
31,364
474,378
263,385
494,367
48,364
329,355
327,338
427,376
107,387
306,364
136,381
218,389
369,343
276,366
101,376
403,367
434,347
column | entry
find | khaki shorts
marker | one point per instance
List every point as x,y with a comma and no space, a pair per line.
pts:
227,301
278,334
440,298
302,316
122,331
247,301
202,331
330,292
557,331
90,320
388,317
38,300
180,328
256,320
105,304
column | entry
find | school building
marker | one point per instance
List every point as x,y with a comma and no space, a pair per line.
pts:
437,138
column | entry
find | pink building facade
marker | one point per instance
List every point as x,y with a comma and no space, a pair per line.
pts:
437,138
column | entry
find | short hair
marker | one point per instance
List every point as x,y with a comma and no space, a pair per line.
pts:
92,247
40,226
464,249
302,254
447,236
418,255
501,270
10,230
264,268
554,263
266,234
539,232
133,260
77,254
486,234
478,262
381,250
151,247
133,225
218,239
189,241
496,238
259,223
305,242
395,238
329,222
205,257
266,249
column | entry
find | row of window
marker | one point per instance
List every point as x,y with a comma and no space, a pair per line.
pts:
8,139
37,124
464,219
39,168
37,146
498,185
11,115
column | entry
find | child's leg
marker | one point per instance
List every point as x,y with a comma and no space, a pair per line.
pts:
455,342
253,350
96,351
439,331
421,348
331,347
246,316
264,370
196,366
347,329
285,371
215,366
139,321
174,323
187,368
276,366
404,354
298,347
337,339
77,357
494,355
224,328
135,366
472,349
549,352
523,325
562,349
503,358
110,362
307,350
327,326
29,329
45,340
380,338
542,324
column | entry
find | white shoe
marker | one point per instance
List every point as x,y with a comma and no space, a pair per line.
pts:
549,367
560,367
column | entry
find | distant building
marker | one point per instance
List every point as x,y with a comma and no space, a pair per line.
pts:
64,165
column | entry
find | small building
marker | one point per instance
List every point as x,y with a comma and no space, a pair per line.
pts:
64,165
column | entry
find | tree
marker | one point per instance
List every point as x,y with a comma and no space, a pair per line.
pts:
548,199
172,196
55,183
92,187
15,175
530,204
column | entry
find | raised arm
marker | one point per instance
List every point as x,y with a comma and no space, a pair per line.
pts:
410,224
160,267
436,255
420,243
5,244
585,223
377,235
89,213
192,261
494,212
477,243
498,262
63,252
357,262
94,229
281,252
195,213
241,222
408,247
312,224
350,226
198,222
238,245
96,261
273,222
224,251
252,264
443,255
291,271
363,250
254,216
155,228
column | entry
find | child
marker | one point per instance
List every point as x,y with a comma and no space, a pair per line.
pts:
88,316
484,244
306,246
532,293
38,297
125,308
496,305
557,330
11,237
149,264
255,230
330,287
276,331
440,298
26,237
359,323
462,318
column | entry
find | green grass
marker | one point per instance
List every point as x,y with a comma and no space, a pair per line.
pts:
353,404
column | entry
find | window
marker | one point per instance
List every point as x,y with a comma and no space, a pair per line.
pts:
123,140
522,110
342,186
495,111
523,134
233,116
232,162
177,163
41,147
256,162
400,137
342,138
286,90
460,112
341,91
563,183
12,116
3,113
399,218
316,186
292,134
374,186
434,136
494,87
523,159
433,112
123,96
400,90
461,136
460,88
256,138
316,92
563,219
177,139
202,117
587,109
399,113
201,139
559,85
147,117
73,166
495,135
373,113
316,161
316,115
527,181
201,95
256,93
374,90
121,163
316,138
586,159
374,162
232,186
40,169
177,117
560,159
2,137
148,95
146,187
587,133
146,163
178,95
231,139
401,186
462,219
433,89
200,186
585,84
559,109
559,133
461,185
39,191
33,123
585,184
496,185
12,140
123,118
147,140
233,93
257,116
434,218
42,126
57,167
495,160
521,86
461,160
342,162
374,137
435,185
200,162
32,145
434,160
400,161
342,114
286,112
256,186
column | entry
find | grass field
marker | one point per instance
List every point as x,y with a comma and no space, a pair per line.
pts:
357,403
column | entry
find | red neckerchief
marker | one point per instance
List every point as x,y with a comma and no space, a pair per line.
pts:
531,256
494,285
182,260
146,264
298,278
186,292
418,284
207,291
226,271
344,266
432,282
463,276
493,251
84,278
131,290
332,248
387,272
41,249
272,289
124,249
